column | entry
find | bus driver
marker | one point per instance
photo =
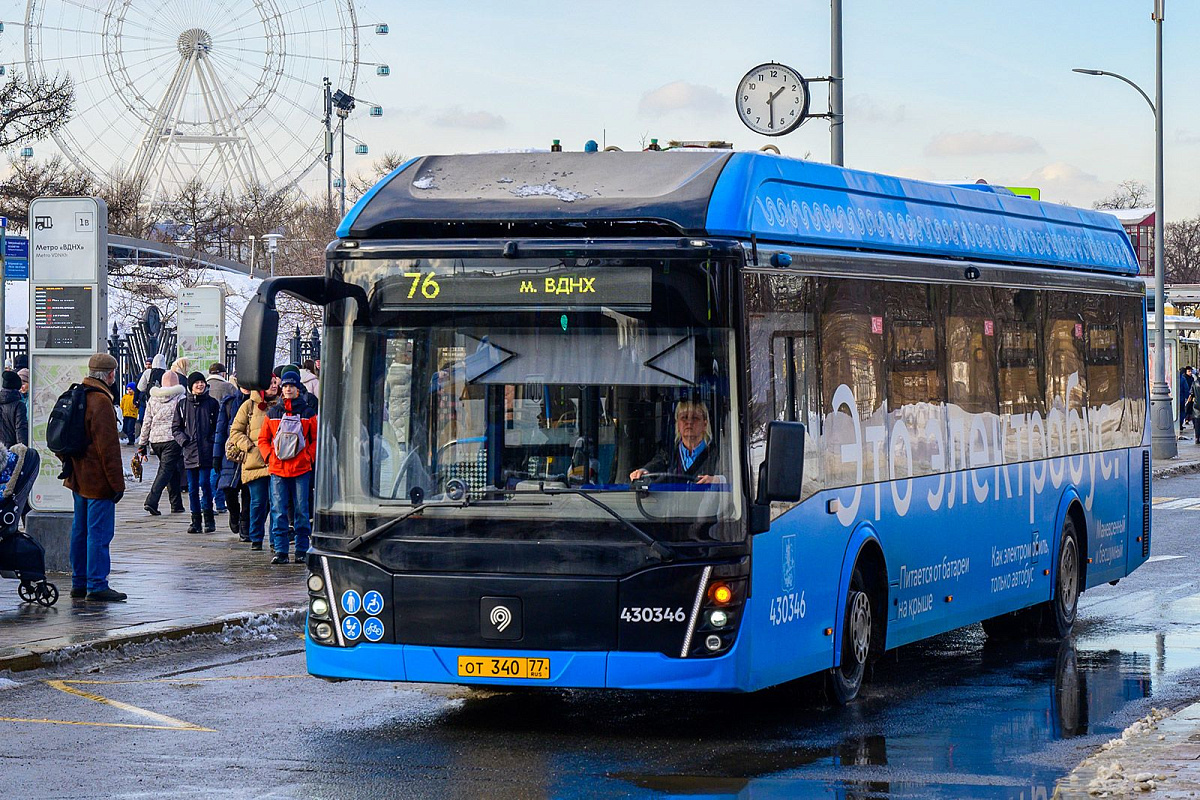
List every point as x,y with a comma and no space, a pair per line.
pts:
691,454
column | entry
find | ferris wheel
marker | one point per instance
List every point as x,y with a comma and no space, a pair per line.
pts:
227,91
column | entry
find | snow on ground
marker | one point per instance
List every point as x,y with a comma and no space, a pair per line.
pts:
125,307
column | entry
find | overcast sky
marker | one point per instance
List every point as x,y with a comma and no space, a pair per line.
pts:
935,89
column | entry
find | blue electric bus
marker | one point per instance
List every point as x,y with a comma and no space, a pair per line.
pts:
708,420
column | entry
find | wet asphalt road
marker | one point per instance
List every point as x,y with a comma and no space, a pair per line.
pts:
954,717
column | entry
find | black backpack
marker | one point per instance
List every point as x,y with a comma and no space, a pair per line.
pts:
66,432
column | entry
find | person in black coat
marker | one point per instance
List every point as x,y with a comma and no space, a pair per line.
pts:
229,480
691,454
14,421
194,427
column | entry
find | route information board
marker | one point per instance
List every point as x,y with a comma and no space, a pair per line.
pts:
63,318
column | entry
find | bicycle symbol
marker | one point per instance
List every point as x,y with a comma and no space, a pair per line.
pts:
373,630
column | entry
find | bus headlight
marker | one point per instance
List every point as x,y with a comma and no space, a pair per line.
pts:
713,643
319,606
324,630
316,584
718,618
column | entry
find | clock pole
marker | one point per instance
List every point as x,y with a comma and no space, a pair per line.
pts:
836,153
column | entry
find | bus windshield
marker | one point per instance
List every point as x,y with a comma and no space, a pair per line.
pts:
481,409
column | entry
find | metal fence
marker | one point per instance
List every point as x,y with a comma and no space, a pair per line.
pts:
16,350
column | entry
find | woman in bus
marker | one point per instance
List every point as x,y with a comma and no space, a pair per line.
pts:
692,454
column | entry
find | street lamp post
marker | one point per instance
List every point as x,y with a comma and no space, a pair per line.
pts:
272,247
1162,430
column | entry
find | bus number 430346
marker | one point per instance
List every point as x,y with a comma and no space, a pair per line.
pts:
652,615
787,608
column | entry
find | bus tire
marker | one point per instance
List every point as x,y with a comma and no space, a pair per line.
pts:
1059,615
844,682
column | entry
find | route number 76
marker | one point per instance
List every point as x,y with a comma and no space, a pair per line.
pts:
429,287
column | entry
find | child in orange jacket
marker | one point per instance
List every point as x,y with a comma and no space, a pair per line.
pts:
288,442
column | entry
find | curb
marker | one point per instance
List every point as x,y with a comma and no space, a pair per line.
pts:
1173,470
37,657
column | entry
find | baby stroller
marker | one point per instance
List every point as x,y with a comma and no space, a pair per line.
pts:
21,557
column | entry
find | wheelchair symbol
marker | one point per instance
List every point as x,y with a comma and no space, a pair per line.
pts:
373,603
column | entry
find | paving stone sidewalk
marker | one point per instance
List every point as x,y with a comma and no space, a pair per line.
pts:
1188,460
175,581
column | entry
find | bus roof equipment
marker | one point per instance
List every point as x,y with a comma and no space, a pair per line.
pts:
778,200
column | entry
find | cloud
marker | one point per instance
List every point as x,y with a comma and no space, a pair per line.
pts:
1185,136
1063,182
978,143
455,117
682,96
865,108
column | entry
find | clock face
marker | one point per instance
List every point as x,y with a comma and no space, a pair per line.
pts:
772,99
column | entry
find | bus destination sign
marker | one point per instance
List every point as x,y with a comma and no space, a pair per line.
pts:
613,287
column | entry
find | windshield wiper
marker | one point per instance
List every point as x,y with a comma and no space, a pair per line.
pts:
379,530
373,534
663,550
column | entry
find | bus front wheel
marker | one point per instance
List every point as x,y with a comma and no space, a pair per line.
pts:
845,681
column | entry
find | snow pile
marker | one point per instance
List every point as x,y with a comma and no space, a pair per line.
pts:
5,683
424,182
549,190
1109,775
268,627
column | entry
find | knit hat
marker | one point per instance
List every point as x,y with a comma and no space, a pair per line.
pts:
290,376
23,372
101,361
131,386
12,380
195,378
170,378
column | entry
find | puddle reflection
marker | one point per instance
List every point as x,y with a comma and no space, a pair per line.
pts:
970,725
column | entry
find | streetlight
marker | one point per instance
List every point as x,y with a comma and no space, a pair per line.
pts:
1162,437
272,247
343,104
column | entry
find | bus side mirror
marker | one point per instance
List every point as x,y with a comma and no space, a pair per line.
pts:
783,468
256,344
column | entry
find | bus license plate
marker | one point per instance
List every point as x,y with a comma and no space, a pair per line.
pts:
493,667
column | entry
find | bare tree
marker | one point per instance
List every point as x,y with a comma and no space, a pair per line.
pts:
31,179
360,184
1129,194
1181,253
34,108
126,215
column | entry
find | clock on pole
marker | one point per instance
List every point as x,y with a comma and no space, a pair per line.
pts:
772,99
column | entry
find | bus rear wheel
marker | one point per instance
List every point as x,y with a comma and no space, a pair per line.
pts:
1059,616
1056,618
845,681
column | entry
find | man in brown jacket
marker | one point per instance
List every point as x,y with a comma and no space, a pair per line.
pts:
98,482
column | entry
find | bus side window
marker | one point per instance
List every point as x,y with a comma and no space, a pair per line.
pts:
1133,356
853,353
916,383
1066,374
1020,389
970,376
783,366
1102,355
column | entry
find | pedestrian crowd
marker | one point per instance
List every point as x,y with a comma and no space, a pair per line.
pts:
247,454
